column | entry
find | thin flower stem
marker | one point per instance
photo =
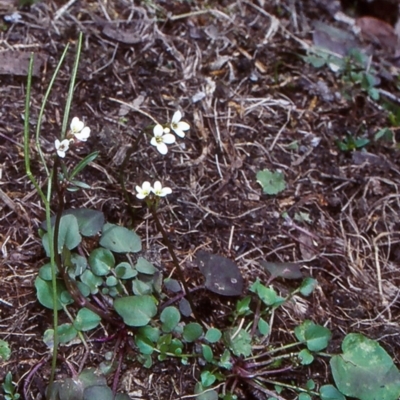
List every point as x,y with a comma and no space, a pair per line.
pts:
41,112
175,260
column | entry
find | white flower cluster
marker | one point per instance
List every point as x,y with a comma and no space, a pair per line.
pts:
147,189
78,132
162,136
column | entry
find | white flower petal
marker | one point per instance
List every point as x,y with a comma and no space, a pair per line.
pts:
165,191
153,141
162,148
76,125
176,117
144,191
179,132
183,126
158,130
169,138
157,186
83,135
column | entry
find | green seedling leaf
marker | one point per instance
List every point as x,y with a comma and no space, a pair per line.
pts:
282,270
184,308
141,288
144,344
267,295
44,293
5,351
83,163
315,336
203,394
80,264
329,392
98,393
222,275
170,318
68,235
66,333
145,267
271,182
136,310
305,357
308,286
207,378
192,331
45,272
225,361
310,384
91,377
385,134
172,285
119,239
207,352
124,270
242,306
304,396
111,281
90,221
91,281
238,341
213,335
86,320
101,261
364,370
263,327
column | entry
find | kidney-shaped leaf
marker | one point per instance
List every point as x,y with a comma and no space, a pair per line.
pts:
90,221
136,310
101,261
119,239
271,182
222,275
315,336
364,370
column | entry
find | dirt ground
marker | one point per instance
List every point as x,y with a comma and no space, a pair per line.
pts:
235,70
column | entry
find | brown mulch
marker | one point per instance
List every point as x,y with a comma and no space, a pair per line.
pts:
234,69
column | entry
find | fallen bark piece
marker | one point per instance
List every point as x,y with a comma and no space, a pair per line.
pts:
17,63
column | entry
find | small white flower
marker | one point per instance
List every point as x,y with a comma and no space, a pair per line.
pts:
144,191
61,147
79,130
158,190
179,126
161,138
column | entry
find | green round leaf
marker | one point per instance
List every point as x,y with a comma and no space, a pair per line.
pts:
213,335
192,331
207,352
315,336
365,370
145,267
86,320
111,281
305,357
170,318
329,392
44,292
101,261
91,280
5,351
119,239
263,327
69,235
66,333
308,286
45,272
124,270
136,310
98,393
271,182
90,221
238,342
207,378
